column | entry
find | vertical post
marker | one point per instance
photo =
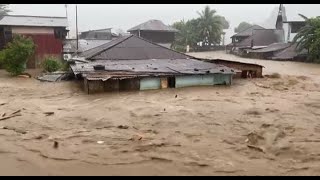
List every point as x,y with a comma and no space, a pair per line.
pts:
66,6
77,28
139,32
289,31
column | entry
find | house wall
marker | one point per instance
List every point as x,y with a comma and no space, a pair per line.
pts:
97,86
202,80
47,44
150,83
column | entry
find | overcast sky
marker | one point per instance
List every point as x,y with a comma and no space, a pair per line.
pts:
125,16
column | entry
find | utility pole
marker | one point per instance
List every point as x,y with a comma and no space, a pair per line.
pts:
77,28
66,6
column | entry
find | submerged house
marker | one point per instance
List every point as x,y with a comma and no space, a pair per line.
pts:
155,31
133,63
47,33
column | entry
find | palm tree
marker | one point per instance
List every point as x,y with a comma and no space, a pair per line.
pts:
210,26
308,37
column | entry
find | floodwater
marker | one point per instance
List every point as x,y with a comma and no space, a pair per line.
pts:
267,126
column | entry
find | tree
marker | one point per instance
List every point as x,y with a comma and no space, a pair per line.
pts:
210,26
308,38
225,23
4,9
187,35
16,54
242,26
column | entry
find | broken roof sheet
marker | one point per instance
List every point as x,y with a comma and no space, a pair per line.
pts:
247,32
263,37
153,25
131,48
271,48
43,21
150,67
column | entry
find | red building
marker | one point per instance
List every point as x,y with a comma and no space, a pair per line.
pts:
47,33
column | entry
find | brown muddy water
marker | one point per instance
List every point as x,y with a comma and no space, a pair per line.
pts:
267,126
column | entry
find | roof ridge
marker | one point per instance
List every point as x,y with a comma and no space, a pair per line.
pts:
104,49
95,30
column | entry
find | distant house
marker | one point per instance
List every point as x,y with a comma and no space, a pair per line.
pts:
133,63
101,34
237,38
155,31
88,40
47,33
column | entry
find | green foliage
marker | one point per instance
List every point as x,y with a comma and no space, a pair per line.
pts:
14,57
308,38
65,66
4,9
242,26
208,29
51,64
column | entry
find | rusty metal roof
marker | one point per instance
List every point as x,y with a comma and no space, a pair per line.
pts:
153,25
42,21
131,48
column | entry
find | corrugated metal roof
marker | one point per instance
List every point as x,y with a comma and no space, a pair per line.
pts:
153,25
129,48
150,67
272,47
288,53
43,21
247,32
263,37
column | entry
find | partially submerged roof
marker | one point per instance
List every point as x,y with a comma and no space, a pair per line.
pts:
148,67
247,32
271,48
153,25
131,48
42,21
263,37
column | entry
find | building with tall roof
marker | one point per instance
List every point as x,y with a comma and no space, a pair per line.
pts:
155,31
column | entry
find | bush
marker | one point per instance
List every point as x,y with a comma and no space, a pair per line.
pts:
51,64
16,54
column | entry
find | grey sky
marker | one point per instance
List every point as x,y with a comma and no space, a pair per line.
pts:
125,16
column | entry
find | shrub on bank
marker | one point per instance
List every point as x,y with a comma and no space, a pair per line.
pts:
51,64
16,54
